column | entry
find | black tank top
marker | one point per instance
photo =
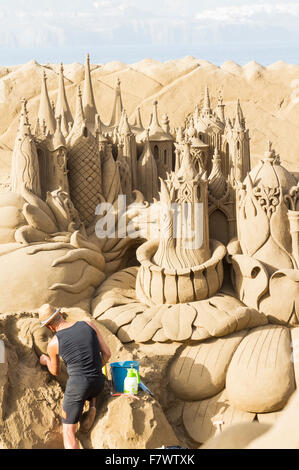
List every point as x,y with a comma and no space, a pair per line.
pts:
79,348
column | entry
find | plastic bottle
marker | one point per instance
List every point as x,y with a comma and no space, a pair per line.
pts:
131,382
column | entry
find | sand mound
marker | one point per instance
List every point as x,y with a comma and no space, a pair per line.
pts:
30,399
143,425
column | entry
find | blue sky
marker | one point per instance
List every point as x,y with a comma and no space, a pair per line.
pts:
215,30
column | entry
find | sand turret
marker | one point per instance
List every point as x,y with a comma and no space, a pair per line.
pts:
62,106
89,105
45,113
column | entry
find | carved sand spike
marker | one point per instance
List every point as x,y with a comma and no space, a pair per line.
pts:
25,166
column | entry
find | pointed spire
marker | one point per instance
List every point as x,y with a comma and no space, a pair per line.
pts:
147,172
24,126
89,105
79,120
206,101
117,107
239,120
125,129
155,120
99,130
62,106
25,166
138,121
217,181
187,170
58,138
220,108
45,109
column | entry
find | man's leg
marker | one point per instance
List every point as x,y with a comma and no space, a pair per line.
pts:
69,436
88,417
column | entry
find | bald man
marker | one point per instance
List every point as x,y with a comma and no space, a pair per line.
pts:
83,349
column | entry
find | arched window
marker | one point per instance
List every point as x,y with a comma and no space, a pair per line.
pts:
156,152
165,157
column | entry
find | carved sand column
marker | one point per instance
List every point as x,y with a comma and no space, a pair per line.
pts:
25,166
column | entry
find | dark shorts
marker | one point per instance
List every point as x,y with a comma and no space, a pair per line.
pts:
78,390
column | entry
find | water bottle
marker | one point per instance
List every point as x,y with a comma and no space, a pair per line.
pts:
131,382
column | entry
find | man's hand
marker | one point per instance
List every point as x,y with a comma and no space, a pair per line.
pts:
44,360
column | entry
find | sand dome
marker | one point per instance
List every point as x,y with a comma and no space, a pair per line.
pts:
271,174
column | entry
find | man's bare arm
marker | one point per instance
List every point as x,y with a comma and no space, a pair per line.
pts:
52,361
105,351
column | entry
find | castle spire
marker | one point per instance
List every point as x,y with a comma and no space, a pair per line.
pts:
187,170
155,125
220,108
45,109
62,106
117,107
89,105
207,101
138,121
147,172
217,181
239,120
24,126
25,166
58,138
125,128
79,120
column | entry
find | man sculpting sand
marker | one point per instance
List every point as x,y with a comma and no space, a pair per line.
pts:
85,352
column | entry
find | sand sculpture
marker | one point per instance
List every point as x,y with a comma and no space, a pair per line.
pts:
216,245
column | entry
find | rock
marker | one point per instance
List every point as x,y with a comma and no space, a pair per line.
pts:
30,399
132,423
260,377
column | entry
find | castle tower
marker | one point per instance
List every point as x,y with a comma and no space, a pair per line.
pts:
148,182
117,107
62,106
184,241
138,121
111,177
85,174
239,147
222,212
124,172
220,109
130,148
161,144
57,173
89,106
45,113
206,109
25,166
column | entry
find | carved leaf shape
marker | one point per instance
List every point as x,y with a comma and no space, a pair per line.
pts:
177,322
253,223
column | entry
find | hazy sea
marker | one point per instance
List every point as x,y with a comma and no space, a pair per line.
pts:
265,53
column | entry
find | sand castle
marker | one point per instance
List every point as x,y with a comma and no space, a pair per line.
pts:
211,271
